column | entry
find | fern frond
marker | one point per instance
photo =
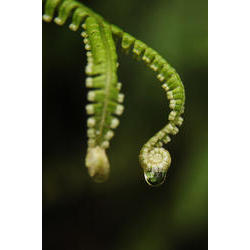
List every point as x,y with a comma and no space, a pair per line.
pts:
66,9
104,94
154,159
102,71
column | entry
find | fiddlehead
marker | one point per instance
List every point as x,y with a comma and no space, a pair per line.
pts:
101,69
154,159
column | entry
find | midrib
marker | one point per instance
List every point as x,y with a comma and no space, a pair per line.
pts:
108,79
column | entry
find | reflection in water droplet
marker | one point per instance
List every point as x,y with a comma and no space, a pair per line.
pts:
155,178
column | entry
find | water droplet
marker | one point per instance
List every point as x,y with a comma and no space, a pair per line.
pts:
155,178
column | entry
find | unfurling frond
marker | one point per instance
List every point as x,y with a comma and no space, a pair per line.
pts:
104,89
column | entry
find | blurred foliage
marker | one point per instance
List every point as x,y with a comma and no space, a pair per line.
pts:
125,213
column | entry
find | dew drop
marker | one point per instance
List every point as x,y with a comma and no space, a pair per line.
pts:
155,178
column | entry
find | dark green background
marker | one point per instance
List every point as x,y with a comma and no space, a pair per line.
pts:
124,212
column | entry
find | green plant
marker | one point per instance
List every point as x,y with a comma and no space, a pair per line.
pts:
105,96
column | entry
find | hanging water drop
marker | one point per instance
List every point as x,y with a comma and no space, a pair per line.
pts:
155,179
